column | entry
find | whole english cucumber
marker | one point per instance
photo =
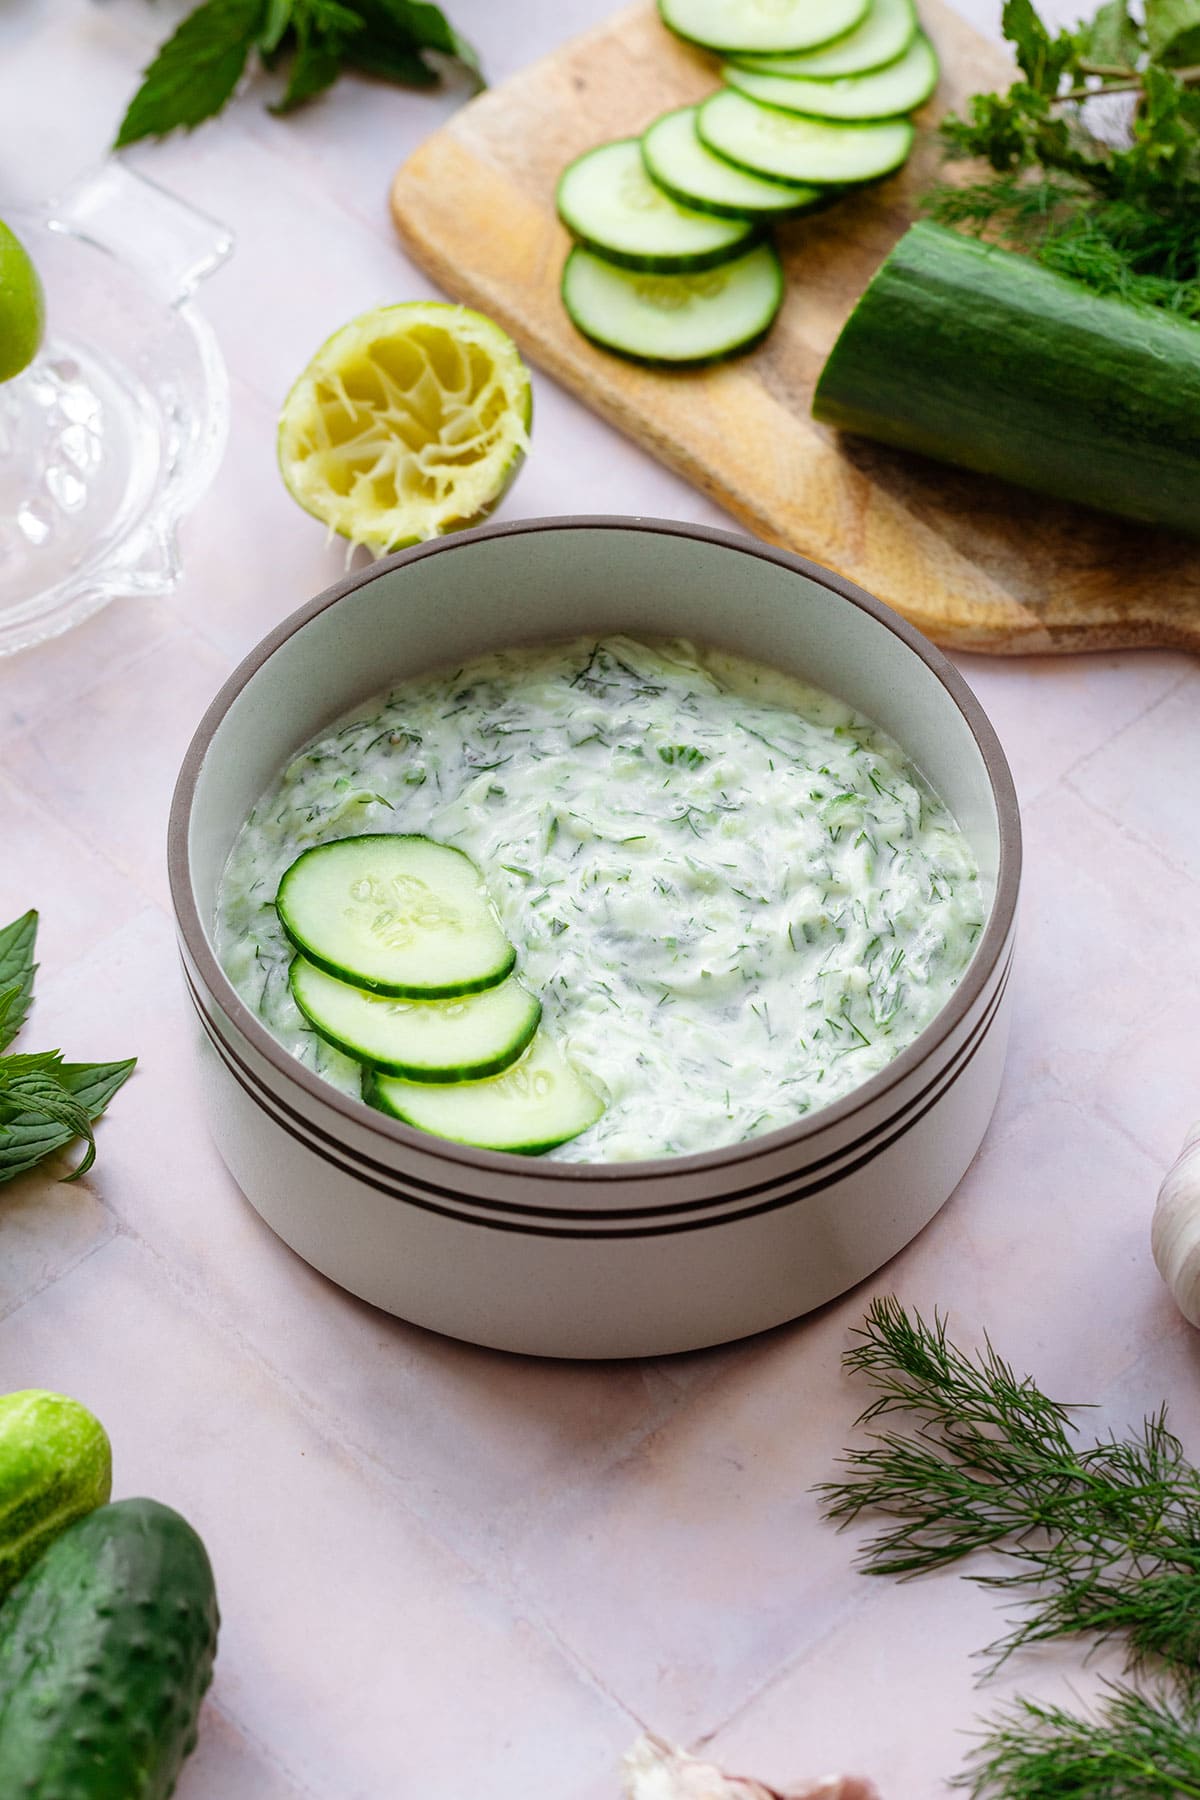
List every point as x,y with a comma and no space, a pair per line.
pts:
978,356
106,1650
55,1465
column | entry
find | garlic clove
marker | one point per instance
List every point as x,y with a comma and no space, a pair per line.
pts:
1175,1232
654,1771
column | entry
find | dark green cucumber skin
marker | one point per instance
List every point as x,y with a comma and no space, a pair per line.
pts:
976,356
106,1650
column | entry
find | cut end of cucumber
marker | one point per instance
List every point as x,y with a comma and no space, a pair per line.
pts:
537,1104
399,915
678,320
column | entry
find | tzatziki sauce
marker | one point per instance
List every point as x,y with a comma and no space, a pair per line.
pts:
736,898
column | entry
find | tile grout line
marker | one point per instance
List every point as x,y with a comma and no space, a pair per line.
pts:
1115,737
499,1582
9,1311
265,1751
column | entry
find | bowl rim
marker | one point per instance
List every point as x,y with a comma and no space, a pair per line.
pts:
387,1131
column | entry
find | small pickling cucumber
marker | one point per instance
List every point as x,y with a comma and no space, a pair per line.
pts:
55,1466
675,319
608,201
537,1104
396,914
463,1039
780,28
789,148
885,33
106,1650
882,94
690,172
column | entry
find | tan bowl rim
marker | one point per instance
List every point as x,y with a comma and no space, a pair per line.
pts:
390,1131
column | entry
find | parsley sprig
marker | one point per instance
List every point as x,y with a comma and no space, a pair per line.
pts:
45,1103
1094,152
1100,1538
309,42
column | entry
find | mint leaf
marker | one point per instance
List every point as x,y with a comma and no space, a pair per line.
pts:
45,1104
279,17
17,969
322,28
1112,39
196,70
397,32
1041,57
1173,30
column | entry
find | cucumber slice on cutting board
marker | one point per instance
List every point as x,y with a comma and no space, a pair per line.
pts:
692,174
782,27
965,352
398,914
676,319
464,1039
883,94
609,202
538,1103
790,148
885,34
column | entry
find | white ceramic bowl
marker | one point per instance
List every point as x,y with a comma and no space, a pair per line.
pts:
594,1259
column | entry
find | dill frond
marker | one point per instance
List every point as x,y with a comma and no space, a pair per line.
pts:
1104,1538
1138,1745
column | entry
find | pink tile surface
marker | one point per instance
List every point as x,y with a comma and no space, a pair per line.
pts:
446,1572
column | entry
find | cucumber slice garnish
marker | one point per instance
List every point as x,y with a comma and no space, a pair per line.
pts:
536,1104
785,26
608,201
464,1039
398,915
885,34
677,319
690,172
883,94
790,148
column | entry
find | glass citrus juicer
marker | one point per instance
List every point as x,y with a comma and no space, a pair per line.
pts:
117,426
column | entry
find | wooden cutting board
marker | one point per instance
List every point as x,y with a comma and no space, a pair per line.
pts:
976,564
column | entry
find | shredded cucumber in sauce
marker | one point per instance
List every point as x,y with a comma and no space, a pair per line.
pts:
735,897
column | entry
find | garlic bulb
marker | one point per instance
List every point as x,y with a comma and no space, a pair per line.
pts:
1175,1233
653,1771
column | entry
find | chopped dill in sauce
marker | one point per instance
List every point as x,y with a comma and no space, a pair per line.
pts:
735,896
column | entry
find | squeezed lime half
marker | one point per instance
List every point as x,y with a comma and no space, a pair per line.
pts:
22,306
409,422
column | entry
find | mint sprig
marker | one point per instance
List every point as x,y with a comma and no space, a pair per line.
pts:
45,1103
197,70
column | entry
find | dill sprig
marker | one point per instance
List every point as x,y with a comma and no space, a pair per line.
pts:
1105,1538
1137,1744
1109,200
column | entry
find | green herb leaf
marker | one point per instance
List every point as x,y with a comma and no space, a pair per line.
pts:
1041,57
1102,1538
17,969
45,1104
1112,39
322,30
279,17
1137,1746
196,70
1173,30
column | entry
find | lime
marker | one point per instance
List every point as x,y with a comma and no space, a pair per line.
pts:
408,422
22,308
